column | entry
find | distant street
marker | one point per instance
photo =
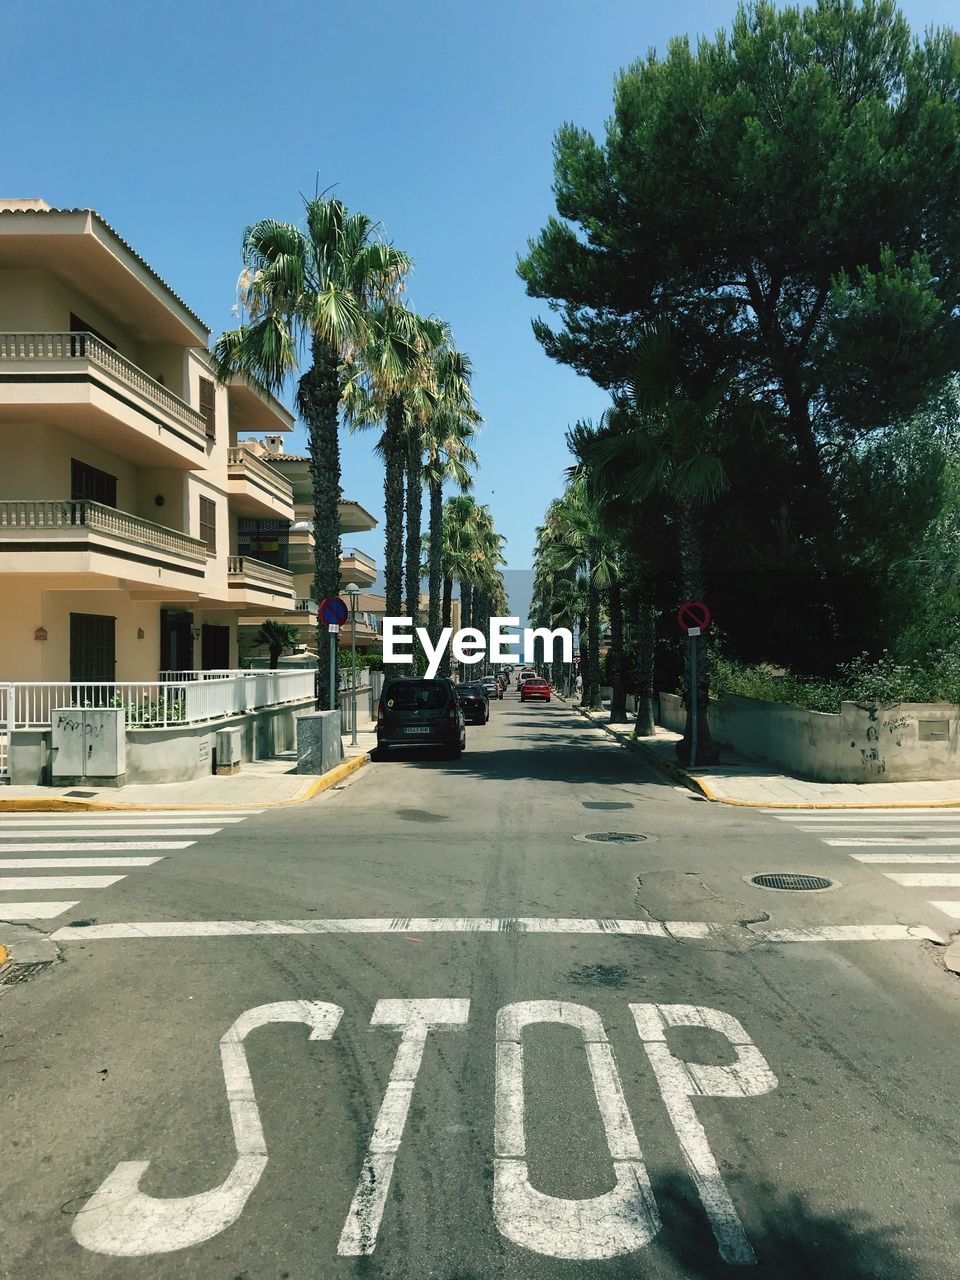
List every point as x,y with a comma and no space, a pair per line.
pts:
421,1027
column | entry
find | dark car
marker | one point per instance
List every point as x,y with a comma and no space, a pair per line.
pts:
534,688
421,713
493,686
475,701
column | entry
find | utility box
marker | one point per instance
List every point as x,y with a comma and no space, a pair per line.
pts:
228,749
89,745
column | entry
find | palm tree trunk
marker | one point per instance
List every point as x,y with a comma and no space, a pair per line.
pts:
593,644
319,396
436,558
615,664
445,621
692,583
646,641
394,464
414,515
466,605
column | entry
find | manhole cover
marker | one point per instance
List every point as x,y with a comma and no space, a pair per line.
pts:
22,972
790,880
81,795
611,837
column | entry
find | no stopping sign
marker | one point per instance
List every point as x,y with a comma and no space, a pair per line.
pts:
693,614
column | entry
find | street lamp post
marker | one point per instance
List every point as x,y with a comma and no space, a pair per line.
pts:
351,590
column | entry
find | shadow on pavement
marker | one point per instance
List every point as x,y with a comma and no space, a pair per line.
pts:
554,763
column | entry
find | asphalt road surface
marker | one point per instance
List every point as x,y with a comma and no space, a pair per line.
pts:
420,1027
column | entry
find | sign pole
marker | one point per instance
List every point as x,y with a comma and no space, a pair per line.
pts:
333,669
694,696
353,654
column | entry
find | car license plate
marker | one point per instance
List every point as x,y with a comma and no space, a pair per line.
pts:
417,729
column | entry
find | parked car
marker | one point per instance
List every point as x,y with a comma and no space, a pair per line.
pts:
493,686
535,688
421,713
475,702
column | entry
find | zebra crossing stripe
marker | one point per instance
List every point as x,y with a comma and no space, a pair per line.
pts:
951,909
24,884
64,864
108,846
925,879
10,911
906,858
87,838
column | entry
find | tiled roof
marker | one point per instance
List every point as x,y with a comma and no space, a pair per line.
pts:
42,213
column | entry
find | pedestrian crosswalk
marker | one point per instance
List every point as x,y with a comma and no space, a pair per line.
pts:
913,838
79,848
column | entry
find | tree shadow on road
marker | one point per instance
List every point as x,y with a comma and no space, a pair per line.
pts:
563,759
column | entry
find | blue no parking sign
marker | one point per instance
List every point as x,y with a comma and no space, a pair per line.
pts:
333,611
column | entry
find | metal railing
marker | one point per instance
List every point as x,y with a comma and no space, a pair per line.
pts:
190,698
85,346
259,571
262,472
306,606
351,553
43,513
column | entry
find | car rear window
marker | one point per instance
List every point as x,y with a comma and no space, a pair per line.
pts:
470,691
539,683
416,695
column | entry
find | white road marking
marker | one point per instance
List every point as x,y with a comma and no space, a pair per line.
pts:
415,1018
879,829
930,879
951,909
862,815
90,839
605,1226
894,842
22,884
33,910
61,864
906,858
839,933
680,1081
53,822
24,818
123,1222
397,924
108,846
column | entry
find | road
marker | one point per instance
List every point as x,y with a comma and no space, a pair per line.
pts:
420,1028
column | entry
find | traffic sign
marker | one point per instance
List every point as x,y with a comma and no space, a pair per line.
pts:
693,614
333,611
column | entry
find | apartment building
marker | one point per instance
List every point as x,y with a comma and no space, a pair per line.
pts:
130,515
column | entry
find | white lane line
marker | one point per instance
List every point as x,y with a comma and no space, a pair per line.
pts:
88,839
906,858
24,883
33,910
63,864
510,926
951,909
108,846
840,933
924,842
397,924
930,879
70,822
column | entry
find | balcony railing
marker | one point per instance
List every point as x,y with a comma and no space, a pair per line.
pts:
45,514
49,347
259,471
257,571
306,606
351,553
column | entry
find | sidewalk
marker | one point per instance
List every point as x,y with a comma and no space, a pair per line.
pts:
259,785
738,781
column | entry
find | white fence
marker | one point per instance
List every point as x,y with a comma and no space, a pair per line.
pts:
188,699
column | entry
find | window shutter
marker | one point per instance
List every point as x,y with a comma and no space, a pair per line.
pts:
208,524
208,407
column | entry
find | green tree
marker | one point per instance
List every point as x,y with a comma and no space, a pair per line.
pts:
278,638
312,291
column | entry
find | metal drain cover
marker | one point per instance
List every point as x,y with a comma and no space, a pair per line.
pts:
14,972
790,880
611,837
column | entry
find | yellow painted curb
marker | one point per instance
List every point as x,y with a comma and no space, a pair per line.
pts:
4,956
56,804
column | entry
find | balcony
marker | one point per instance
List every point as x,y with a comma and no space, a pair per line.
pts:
256,489
355,566
79,383
260,588
90,545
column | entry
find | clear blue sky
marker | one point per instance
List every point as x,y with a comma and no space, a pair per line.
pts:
182,122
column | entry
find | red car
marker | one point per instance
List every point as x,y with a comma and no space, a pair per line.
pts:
535,688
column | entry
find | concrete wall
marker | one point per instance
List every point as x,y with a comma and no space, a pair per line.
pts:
900,742
176,754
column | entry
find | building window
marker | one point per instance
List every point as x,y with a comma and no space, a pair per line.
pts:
208,524
208,407
92,648
265,540
90,484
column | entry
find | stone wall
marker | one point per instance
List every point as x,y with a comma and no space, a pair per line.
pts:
900,742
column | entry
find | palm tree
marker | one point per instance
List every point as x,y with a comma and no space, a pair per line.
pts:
310,293
278,637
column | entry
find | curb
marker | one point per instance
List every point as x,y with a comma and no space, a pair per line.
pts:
56,804
696,783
